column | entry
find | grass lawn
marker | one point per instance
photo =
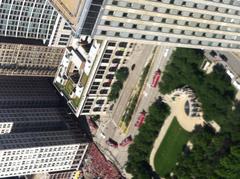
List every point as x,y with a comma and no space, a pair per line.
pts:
69,86
170,148
76,101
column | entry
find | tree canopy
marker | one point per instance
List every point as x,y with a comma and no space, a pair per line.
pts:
214,91
213,155
115,90
122,74
139,151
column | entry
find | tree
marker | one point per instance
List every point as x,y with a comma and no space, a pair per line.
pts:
96,118
115,90
139,151
122,74
229,166
216,95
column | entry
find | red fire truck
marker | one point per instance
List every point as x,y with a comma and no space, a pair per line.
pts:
156,78
140,119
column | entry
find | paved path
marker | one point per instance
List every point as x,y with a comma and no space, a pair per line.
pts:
160,137
177,109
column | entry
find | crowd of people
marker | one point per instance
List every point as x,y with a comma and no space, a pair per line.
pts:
98,166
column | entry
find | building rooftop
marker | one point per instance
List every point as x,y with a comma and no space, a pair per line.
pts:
76,72
70,10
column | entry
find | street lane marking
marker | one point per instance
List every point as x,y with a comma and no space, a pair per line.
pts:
166,53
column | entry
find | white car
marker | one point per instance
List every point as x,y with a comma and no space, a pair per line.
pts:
102,135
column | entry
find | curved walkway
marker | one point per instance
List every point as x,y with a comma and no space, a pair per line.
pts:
177,108
159,139
177,104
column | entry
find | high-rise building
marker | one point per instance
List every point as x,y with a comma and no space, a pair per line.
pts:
33,19
32,38
38,152
32,119
86,73
27,92
29,60
211,24
37,135
64,175
62,34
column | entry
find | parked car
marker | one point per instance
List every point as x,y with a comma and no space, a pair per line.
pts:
223,57
213,53
112,143
133,67
126,141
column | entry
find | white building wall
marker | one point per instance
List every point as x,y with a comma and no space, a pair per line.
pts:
24,161
5,127
61,36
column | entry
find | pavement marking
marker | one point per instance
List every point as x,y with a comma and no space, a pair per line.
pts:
166,53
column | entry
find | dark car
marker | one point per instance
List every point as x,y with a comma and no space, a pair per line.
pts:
133,67
223,57
213,53
112,143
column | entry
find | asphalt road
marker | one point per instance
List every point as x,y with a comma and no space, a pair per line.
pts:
233,61
147,97
150,94
140,57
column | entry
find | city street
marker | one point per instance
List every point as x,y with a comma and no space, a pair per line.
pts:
147,97
233,60
141,56
150,94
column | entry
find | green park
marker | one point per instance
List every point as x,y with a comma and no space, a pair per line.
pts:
170,148
216,155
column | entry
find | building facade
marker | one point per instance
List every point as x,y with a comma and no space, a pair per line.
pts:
185,23
17,92
32,19
32,37
39,152
87,71
113,57
29,60
37,134
62,34
64,175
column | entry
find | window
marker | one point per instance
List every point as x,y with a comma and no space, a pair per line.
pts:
125,14
103,32
115,3
107,23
